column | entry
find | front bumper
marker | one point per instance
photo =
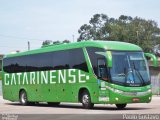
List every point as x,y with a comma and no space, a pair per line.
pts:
118,98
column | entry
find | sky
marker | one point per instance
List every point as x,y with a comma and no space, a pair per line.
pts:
38,20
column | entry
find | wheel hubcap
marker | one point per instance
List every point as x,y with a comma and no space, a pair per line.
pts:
85,99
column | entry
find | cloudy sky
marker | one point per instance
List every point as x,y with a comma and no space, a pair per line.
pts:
37,20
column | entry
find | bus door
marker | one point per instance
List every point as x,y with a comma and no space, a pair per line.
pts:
103,77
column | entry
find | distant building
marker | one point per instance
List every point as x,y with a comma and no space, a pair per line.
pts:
155,77
1,57
156,50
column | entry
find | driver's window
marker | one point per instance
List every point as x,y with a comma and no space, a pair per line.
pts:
102,69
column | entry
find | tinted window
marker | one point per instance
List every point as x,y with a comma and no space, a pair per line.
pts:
67,59
94,57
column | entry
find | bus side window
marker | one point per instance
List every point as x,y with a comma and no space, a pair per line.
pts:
102,69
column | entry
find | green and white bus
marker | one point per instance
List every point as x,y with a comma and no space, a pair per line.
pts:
90,72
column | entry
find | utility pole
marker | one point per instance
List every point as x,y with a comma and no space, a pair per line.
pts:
28,45
73,37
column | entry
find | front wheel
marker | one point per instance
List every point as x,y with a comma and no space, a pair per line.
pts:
86,100
121,106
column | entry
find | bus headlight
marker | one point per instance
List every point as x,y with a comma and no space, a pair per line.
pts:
149,90
118,91
130,93
114,90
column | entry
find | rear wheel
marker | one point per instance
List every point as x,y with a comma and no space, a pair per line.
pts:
86,100
23,98
53,103
121,106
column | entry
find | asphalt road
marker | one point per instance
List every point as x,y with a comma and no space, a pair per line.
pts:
76,108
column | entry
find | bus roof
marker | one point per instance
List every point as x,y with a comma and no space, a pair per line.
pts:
108,45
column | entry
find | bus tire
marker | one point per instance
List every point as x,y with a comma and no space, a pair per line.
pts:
53,103
121,106
23,98
86,100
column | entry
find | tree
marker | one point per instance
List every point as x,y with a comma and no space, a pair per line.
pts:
56,42
66,41
49,42
96,28
125,28
46,42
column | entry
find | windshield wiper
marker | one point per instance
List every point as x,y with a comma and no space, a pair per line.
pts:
139,75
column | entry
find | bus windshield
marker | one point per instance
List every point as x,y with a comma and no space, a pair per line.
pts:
129,69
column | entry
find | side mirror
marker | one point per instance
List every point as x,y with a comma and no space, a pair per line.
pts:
109,59
153,57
